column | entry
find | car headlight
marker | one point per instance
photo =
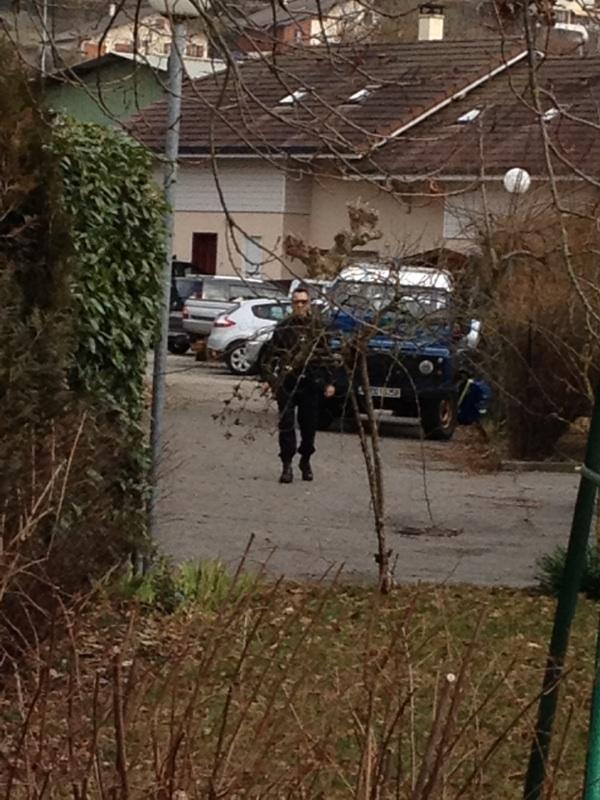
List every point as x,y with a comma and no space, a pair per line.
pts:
426,367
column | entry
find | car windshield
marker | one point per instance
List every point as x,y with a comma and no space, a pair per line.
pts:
413,302
216,290
187,286
182,288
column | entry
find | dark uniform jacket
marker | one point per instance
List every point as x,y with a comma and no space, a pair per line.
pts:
297,353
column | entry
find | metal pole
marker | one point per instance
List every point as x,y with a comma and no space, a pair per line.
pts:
592,773
44,53
175,80
565,608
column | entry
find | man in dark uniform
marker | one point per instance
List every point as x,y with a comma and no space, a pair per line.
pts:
296,369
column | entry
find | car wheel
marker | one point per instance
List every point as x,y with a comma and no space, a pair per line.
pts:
236,360
438,417
178,347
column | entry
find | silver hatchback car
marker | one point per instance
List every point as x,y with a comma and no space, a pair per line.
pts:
232,331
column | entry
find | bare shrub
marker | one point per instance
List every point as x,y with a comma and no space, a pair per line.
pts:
281,692
541,324
75,514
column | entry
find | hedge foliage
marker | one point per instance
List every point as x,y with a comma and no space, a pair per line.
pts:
34,277
81,254
116,215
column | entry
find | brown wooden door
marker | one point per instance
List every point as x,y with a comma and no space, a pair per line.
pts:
204,253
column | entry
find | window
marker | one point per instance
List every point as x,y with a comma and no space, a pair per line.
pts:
269,290
294,97
274,311
253,257
262,312
469,116
463,214
216,290
194,51
241,290
551,114
182,289
279,311
362,94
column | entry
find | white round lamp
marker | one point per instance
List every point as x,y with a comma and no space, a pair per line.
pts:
517,180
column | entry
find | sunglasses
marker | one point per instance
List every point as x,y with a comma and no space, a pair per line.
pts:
299,302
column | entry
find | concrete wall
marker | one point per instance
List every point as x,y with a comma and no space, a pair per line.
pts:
407,227
263,202
231,243
267,204
467,215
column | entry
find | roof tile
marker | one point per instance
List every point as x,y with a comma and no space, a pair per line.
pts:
238,111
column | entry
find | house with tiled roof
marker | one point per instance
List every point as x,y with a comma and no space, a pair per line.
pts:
138,29
280,146
305,22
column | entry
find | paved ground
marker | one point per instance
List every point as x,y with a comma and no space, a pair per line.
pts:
219,486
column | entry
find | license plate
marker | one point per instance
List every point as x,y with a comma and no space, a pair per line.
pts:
381,391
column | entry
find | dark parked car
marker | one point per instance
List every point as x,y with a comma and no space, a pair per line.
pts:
414,350
182,288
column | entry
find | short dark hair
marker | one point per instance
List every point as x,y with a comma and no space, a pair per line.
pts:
301,290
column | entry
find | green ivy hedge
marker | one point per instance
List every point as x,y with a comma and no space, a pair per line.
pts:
116,213
81,254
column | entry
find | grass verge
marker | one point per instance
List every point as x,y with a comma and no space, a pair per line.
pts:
295,691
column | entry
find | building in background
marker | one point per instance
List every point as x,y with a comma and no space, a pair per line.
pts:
140,31
306,22
113,87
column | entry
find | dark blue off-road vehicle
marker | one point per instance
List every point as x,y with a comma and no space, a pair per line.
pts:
394,337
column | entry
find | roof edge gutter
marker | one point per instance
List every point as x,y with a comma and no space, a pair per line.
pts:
280,154
456,96
467,178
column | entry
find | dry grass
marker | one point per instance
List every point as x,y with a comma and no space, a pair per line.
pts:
293,691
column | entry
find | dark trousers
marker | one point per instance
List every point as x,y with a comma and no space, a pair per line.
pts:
304,396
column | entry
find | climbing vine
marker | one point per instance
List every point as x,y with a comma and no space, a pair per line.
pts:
116,214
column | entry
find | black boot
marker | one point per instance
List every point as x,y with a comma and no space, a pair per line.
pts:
287,476
307,473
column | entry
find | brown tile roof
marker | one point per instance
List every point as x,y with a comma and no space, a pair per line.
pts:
239,111
507,131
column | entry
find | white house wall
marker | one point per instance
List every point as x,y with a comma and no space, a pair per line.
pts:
468,213
407,226
231,243
254,195
298,193
153,37
246,186
341,21
268,205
